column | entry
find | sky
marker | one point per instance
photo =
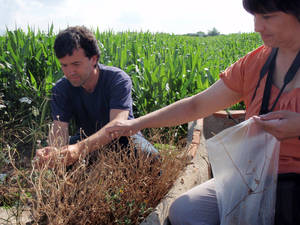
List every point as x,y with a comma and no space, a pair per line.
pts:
168,16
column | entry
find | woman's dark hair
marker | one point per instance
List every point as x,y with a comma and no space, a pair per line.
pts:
74,38
268,6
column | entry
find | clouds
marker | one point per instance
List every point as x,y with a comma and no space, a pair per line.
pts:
156,16
23,13
8,11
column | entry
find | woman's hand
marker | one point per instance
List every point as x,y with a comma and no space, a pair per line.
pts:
118,128
281,124
51,156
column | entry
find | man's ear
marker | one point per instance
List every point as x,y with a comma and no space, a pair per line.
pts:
94,59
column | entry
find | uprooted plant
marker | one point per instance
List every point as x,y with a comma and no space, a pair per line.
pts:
119,187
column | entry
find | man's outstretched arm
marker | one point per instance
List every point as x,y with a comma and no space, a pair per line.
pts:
71,153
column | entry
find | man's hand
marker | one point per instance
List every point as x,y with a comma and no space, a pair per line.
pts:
281,124
51,156
118,128
45,156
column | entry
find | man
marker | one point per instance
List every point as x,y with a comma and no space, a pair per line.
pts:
91,93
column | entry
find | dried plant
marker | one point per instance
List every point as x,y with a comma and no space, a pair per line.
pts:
121,186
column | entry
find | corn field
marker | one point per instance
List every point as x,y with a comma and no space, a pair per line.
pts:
164,68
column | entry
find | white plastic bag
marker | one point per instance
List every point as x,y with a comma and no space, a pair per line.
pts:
244,161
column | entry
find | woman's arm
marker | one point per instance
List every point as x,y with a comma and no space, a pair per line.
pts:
215,98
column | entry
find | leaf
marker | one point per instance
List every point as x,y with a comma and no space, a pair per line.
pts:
32,81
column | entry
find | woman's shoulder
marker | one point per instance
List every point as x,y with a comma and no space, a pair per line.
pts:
259,53
253,60
244,73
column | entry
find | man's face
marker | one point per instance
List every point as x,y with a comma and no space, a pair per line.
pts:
77,68
277,29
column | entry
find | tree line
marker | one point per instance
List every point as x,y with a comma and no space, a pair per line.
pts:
212,32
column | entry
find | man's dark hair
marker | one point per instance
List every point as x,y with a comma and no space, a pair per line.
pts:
269,6
74,38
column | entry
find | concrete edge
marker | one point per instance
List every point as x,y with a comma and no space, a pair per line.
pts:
195,173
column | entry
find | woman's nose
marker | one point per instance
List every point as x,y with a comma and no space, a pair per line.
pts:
258,24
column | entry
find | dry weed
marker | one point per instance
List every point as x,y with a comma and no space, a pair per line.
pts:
120,187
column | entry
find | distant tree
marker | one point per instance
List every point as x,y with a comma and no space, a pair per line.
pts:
201,34
213,32
191,34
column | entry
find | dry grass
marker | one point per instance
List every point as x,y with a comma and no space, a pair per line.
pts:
120,187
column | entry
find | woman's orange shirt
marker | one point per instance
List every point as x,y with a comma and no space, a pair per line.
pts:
242,77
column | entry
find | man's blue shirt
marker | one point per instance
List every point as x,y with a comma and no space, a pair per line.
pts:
91,110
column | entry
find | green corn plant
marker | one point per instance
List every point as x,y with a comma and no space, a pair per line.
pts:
163,67
29,69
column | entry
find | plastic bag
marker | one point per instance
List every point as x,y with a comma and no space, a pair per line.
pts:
244,161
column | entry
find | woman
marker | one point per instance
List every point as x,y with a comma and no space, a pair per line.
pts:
268,81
